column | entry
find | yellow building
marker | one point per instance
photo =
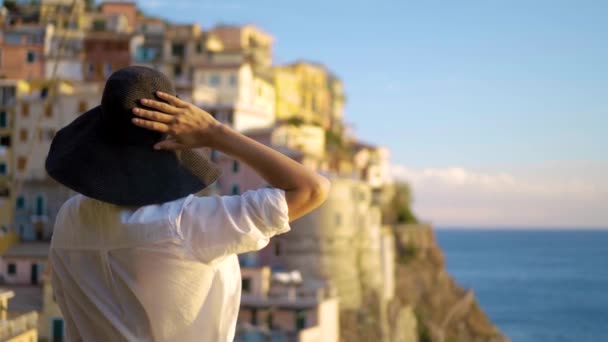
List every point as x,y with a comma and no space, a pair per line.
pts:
16,327
38,116
10,91
303,93
309,92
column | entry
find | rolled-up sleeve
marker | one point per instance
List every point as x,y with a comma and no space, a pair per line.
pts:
213,227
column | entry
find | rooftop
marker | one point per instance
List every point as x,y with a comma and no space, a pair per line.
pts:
28,250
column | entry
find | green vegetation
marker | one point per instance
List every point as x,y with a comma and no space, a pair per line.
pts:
398,209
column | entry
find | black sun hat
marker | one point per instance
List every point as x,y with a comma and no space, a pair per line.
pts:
103,155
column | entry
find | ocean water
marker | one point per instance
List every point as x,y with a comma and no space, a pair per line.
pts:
536,285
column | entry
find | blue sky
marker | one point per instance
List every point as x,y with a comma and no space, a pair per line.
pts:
488,88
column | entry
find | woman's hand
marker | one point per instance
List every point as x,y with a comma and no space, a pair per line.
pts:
190,126
187,125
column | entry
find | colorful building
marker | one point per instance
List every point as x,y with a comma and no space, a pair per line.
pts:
38,116
22,51
303,93
239,44
104,53
244,99
276,306
10,92
128,9
24,263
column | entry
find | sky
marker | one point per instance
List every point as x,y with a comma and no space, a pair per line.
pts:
494,111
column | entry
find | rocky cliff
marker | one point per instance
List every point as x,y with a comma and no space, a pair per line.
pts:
443,310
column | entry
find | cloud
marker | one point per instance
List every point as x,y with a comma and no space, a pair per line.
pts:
548,197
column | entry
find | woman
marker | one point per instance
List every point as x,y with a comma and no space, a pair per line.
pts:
136,255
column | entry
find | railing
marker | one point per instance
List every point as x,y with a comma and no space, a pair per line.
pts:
18,325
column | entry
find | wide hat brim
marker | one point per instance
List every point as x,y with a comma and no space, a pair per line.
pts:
84,159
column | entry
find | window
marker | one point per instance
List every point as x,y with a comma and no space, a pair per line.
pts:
235,166
246,285
5,141
48,110
215,80
40,205
232,80
338,219
31,57
177,50
177,70
236,190
99,25
12,269
23,135
300,319
21,163
3,119
7,96
3,168
82,106
20,202
199,47
25,109
91,69
46,134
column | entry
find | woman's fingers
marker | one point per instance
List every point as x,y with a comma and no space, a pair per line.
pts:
172,99
161,106
153,115
151,125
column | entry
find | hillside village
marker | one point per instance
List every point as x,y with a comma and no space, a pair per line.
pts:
337,276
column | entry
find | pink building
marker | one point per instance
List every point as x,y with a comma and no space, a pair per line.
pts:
23,264
276,306
237,177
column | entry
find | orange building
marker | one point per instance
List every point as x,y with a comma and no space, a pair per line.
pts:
129,9
22,52
105,52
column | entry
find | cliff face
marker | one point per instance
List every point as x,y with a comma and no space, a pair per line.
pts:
443,310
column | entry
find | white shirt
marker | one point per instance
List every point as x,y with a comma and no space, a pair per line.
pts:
164,272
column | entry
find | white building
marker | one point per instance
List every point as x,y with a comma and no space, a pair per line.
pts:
244,99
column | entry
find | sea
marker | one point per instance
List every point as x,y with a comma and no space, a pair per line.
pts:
535,285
